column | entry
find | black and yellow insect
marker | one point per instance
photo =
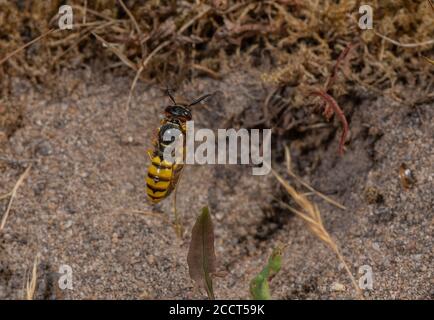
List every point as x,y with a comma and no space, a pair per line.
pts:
164,175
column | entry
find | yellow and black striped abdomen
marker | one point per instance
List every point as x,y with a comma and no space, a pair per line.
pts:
159,179
162,179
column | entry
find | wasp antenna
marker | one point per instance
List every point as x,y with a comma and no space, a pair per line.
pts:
200,99
170,95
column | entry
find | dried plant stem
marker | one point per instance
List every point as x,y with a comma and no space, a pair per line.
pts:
429,60
319,230
347,269
405,45
306,185
93,12
206,70
12,196
11,54
117,52
7,195
332,78
193,20
333,107
140,70
85,11
86,34
310,214
86,26
136,26
133,86
31,283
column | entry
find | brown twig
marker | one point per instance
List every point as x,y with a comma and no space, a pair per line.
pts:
93,12
85,11
429,60
405,45
136,26
7,195
117,52
193,20
85,35
11,54
206,70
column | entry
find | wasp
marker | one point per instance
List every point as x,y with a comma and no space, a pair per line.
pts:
164,175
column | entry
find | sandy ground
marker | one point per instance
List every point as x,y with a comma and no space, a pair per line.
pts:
83,203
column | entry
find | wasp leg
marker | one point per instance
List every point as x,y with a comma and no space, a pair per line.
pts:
178,225
149,152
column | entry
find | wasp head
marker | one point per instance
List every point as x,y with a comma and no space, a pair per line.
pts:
181,112
178,112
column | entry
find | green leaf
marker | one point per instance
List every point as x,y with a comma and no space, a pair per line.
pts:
259,287
201,257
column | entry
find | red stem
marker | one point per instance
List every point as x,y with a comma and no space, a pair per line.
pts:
331,102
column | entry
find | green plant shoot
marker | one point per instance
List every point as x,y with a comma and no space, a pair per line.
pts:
259,286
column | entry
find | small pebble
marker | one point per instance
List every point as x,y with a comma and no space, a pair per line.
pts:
44,148
337,287
376,246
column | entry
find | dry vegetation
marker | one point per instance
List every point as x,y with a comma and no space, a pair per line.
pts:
300,40
32,280
304,46
310,213
314,47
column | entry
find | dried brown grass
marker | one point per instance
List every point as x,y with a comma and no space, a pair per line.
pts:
12,196
306,185
32,280
169,41
309,212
